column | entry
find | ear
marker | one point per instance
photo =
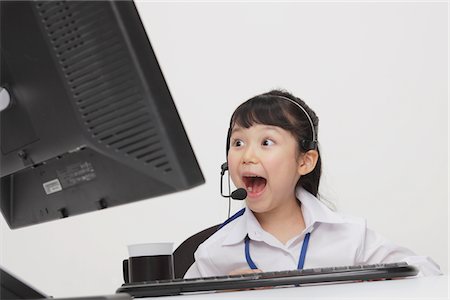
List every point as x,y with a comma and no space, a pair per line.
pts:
307,162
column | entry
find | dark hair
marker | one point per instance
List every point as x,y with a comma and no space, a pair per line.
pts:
271,109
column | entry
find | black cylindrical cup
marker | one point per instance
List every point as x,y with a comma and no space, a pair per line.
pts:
149,268
126,276
149,262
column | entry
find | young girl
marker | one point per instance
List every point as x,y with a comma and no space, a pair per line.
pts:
272,152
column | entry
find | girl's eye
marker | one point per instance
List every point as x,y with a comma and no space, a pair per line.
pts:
237,143
268,142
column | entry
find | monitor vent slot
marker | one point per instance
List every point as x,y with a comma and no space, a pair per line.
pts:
102,84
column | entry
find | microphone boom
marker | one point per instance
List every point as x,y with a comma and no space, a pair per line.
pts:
239,194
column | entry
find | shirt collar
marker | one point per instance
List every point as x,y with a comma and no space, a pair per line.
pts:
314,211
239,228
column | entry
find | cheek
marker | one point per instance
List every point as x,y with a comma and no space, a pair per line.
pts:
233,164
281,165
276,162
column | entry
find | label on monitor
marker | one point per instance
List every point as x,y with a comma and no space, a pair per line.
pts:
52,186
76,173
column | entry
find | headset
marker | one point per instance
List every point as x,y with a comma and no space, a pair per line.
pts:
241,193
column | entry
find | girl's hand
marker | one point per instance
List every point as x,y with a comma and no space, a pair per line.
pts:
244,271
247,271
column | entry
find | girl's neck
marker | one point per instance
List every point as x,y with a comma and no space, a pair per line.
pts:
283,222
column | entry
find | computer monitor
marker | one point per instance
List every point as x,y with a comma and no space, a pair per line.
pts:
91,123
12,287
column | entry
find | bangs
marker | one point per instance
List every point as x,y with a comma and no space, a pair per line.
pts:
265,111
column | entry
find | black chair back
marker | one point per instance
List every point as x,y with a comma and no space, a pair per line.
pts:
183,256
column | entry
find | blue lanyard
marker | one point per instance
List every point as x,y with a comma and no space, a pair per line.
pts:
301,261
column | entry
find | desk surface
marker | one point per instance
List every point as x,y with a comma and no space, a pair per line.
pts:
431,287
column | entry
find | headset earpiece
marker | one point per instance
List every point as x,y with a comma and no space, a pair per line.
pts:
223,168
308,145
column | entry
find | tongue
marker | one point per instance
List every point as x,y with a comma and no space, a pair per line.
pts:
258,184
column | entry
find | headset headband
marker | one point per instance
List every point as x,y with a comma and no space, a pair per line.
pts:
314,140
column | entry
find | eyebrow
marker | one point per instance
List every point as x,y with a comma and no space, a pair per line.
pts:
266,127
236,129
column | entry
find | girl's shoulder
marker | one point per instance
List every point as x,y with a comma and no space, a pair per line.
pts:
324,211
351,219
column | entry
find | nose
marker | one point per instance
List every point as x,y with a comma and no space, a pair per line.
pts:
250,155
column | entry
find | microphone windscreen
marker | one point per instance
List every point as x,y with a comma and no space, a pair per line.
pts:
239,194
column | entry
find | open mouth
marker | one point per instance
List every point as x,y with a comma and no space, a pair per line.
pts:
254,184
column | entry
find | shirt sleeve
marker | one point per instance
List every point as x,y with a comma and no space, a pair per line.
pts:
376,249
202,266
193,271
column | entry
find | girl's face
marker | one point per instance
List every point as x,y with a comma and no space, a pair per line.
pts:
265,161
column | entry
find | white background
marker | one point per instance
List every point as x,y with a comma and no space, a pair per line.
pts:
375,73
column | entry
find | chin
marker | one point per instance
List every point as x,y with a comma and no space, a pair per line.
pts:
257,206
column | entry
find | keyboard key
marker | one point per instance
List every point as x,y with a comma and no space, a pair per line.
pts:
341,268
369,266
355,267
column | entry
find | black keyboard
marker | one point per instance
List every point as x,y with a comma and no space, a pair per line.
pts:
268,279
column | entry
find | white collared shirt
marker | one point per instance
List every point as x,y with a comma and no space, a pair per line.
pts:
335,240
